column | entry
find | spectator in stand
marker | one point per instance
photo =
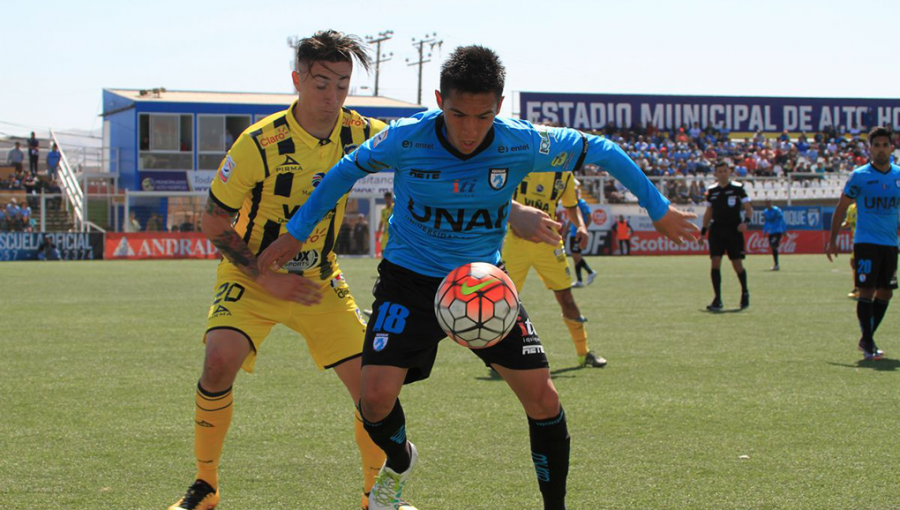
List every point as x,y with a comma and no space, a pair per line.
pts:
3,225
34,150
361,235
53,158
133,223
342,246
154,223
697,193
15,157
695,132
611,193
47,249
54,201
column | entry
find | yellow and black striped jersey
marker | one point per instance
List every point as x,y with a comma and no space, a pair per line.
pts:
544,191
270,172
386,217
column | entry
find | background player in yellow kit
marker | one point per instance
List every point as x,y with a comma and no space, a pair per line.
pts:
545,191
850,223
265,178
384,223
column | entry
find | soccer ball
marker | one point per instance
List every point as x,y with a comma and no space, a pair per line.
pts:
477,305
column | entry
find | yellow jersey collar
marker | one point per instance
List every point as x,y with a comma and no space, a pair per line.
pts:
311,141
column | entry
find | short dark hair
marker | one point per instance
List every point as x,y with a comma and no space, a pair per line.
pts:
722,162
331,46
473,69
880,131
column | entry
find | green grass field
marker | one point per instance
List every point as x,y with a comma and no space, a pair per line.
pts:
101,359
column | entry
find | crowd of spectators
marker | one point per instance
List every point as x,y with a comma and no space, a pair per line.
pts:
692,152
16,218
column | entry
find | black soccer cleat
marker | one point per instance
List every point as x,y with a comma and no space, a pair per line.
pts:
592,360
715,306
199,496
745,300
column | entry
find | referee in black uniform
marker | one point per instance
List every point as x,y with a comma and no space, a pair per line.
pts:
724,201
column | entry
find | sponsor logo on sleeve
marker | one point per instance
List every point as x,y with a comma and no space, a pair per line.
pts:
380,137
227,168
560,159
545,142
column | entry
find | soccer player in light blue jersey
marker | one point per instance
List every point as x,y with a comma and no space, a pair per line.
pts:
774,228
875,187
455,172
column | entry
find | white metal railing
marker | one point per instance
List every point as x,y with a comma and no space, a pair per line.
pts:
70,186
787,189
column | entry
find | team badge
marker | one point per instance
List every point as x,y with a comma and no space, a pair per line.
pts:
559,185
227,167
497,177
732,201
380,342
897,183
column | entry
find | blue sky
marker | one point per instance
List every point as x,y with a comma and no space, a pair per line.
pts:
60,55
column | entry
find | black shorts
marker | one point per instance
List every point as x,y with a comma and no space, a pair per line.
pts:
574,247
409,334
775,240
730,240
876,266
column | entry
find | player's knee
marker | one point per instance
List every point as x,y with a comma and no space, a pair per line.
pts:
544,404
220,367
376,403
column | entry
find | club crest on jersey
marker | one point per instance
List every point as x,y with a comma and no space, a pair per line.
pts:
380,342
497,177
229,165
897,183
732,201
540,188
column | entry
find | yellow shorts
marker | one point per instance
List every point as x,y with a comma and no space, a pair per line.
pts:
334,329
550,262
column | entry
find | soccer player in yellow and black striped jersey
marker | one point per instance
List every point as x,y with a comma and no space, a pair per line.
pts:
545,191
850,223
385,223
267,175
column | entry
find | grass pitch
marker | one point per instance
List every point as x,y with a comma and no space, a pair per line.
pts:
101,359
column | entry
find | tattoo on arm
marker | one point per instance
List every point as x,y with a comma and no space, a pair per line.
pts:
230,243
236,250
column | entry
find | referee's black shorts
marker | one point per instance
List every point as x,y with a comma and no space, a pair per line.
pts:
726,240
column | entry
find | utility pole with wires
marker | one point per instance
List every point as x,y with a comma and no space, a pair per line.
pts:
432,41
379,57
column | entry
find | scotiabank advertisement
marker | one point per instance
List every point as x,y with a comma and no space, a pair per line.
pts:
757,243
159,245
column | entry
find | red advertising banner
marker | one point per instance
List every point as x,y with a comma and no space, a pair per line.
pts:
757,243
159,245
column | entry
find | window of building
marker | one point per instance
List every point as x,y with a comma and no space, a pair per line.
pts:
216,135
166,141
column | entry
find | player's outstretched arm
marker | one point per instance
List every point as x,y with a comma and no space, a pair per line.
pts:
216,225
676,225
533,224
840,211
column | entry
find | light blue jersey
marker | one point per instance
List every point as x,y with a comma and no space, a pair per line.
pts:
585,213
452,208
877,197
774,221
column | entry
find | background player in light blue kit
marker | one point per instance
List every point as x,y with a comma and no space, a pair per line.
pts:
875,187
455,172
774,228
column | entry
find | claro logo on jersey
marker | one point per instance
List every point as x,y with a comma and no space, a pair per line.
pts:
439,217
280,134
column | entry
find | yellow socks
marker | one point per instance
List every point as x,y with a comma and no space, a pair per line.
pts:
579,335
372,456
212,416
